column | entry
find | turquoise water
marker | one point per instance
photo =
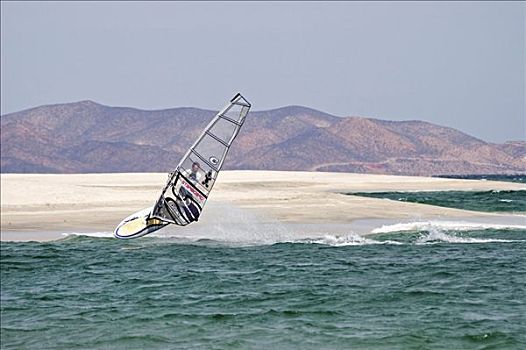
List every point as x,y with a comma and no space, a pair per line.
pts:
492,177
420,289
489,201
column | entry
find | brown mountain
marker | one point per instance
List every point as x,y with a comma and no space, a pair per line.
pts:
89,137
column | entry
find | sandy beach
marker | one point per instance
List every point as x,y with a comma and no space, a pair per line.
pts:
41,207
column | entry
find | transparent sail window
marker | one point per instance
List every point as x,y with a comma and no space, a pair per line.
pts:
211,151
224,130
236,113
199,172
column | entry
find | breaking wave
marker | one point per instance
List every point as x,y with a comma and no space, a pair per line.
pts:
397,234
443,225
347,240
437,236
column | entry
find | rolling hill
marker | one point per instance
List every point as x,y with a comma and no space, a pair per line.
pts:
86,137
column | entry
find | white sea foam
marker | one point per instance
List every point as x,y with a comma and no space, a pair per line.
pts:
437,236
443,226
347,240
249,230
432,236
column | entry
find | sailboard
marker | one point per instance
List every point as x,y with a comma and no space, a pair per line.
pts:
185,194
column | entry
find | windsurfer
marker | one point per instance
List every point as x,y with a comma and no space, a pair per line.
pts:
195,173
190,209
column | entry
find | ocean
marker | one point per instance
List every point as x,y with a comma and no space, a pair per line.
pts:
486,201
492,177
422,285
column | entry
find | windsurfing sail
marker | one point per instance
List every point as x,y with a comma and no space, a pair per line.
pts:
185,194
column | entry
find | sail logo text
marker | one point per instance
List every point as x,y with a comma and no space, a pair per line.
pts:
193,191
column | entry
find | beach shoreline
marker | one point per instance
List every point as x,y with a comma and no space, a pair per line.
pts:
45,206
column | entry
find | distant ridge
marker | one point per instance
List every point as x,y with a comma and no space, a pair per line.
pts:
86,137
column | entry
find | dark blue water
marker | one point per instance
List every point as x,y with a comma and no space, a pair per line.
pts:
492,177
489,201
411,290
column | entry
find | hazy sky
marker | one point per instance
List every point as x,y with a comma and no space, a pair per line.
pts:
453,63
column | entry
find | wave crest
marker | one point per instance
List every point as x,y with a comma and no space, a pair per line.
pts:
347,240
443,225
437,236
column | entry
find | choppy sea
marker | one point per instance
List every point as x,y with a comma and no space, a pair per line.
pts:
419,285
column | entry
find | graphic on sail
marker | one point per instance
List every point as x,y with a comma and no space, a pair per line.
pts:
186,192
